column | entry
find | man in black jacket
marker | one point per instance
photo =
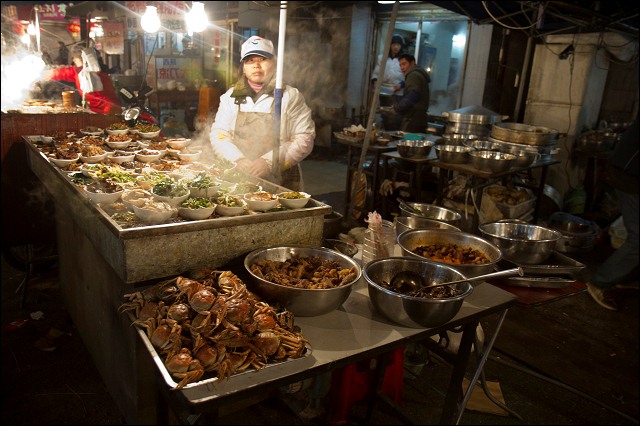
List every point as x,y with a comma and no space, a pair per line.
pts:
415,102
623,176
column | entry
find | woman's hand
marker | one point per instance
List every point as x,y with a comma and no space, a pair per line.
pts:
258,167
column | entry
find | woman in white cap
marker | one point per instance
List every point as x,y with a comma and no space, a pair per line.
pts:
243,131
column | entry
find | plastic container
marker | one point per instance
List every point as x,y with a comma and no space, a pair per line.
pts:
617,233
370,251
519,210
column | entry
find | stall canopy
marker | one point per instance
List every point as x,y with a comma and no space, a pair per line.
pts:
552,17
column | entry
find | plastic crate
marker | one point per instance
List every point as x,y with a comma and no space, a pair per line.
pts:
516,211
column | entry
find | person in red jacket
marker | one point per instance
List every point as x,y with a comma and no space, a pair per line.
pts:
102,102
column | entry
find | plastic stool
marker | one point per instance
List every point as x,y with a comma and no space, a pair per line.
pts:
356,382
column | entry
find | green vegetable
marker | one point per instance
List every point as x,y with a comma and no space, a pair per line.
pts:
230,201
170,188
196,203
293,195
201,181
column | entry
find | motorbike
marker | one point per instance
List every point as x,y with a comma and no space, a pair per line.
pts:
138,112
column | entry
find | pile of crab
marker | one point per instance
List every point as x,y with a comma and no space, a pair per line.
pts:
210,323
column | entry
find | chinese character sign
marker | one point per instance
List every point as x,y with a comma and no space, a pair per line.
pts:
186,70
113,39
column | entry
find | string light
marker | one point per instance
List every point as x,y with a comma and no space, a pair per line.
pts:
150,20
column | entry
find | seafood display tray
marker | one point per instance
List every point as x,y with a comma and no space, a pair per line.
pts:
205,380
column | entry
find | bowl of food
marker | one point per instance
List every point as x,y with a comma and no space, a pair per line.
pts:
230,205
102,191
429,211
415,308
293,199
122,156
467,253
454,154
260,200
117,128
177,143
196,208
148,155
148,131
93,154
492,161
190,155
154,212
202,185
521,243
343,247
322,282
414,148
170,191
64,162
118,141
135,197
404,223
92,131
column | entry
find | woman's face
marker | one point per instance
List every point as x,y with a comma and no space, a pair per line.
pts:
257,69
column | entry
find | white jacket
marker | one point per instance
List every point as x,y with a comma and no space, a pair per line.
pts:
392,72
297,129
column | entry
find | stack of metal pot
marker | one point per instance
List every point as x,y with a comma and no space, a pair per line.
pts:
469,123
519,137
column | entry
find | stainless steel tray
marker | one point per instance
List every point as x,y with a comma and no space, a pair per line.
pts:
207,379
540,282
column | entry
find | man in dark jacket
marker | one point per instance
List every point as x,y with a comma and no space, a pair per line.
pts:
623,176
415,102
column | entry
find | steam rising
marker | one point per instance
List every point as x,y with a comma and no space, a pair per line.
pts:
20,69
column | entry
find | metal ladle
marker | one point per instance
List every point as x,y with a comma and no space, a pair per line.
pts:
405,281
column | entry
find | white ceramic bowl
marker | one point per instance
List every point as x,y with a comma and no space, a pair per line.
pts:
122,156
63,162
94,158
92,131
172,201
103,197
149,135
117,131
294,203
224,210
155,213
177,143
260,201
190,156
119,144
148,155
196,214
204,192
135,197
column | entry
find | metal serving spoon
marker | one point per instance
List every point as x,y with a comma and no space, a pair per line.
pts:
405,281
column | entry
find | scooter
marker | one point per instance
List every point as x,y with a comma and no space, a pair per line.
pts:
138,110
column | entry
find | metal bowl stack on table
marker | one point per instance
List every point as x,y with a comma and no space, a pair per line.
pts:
523,134
414,148
471,120
412,311
521,243
492,161
464,242
429,211
454,154
404,223
304,302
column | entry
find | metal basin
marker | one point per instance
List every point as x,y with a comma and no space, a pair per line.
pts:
523,133
404,223
412,239
454,154
492,161
521,243
301,301
429,211
410,311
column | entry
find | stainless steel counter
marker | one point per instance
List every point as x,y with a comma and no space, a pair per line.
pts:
148,252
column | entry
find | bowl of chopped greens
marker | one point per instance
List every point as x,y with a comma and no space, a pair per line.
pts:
230,205
196,208
202,185
170,191
293,199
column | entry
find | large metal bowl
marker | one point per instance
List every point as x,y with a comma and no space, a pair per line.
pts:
429,211
410,240
411,311
414,148
404,223
521,243
492,161
300,301
454,154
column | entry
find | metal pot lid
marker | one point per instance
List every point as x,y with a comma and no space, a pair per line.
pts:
474,114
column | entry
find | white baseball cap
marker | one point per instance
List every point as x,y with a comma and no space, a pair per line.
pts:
256,46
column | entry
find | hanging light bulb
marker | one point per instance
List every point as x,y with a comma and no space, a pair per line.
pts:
196,18
150,20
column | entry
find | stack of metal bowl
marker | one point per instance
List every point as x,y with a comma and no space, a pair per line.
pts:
429,211
492,161
414,148
453,154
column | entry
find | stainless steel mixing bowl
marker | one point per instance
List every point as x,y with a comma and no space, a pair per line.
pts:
410,311
521,243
